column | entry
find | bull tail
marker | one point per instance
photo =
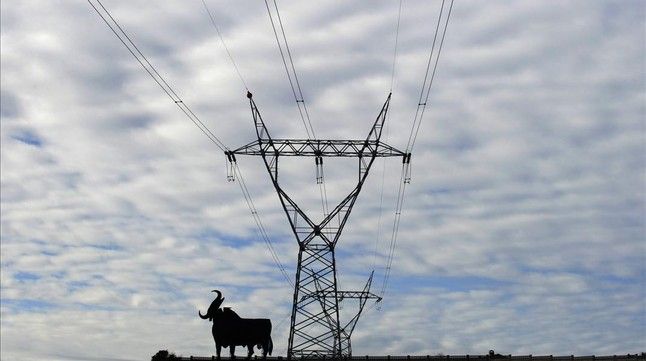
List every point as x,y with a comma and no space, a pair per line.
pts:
271,346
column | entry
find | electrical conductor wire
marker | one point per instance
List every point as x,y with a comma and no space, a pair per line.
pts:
424,94
152,71
217,29
300,101
159,79
433,75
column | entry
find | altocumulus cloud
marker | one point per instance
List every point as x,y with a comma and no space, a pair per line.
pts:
523,228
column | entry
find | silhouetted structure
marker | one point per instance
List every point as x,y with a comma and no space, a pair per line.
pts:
626,357
230,330
164,355
316,330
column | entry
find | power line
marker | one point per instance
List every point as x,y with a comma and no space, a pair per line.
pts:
291,61
425,91
261,228
383,171
118,31
423,88
217,29
433,75
392,75
395,230
262,232
300,101
419,114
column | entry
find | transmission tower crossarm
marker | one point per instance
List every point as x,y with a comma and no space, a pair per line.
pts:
320,148
371,146
363,297
348,295
346,331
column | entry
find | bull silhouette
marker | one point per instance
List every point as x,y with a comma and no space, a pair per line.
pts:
230,330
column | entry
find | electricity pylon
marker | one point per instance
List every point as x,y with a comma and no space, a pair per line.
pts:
316,330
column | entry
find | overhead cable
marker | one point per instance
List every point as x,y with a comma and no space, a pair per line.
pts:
292,76
261,228
300,101
392,74
217,29
383,170
395,230
291,61
152,71
262,232
118,31
419,114
425,90
428,91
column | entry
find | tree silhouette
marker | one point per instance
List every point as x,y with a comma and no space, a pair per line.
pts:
163,355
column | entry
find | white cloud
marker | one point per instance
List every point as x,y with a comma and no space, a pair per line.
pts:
523,229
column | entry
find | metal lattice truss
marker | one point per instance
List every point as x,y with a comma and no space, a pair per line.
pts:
316,330
320,147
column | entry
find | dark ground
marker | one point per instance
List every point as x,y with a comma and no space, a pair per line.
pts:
632,357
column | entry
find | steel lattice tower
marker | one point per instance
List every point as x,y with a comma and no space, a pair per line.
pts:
316,330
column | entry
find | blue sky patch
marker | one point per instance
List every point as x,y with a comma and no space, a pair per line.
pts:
24,304
26,276
29,138
449,283
227,240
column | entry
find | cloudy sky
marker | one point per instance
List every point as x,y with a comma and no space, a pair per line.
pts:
523,229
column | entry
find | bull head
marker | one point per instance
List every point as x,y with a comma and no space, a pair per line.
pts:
215,305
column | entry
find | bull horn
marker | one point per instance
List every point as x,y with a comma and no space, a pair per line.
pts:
217,302
202,317
219,294
213,307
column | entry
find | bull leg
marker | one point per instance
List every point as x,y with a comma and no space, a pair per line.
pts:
232,349
218,348
249,351
265,347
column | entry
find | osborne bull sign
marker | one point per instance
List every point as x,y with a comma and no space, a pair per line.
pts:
230,330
